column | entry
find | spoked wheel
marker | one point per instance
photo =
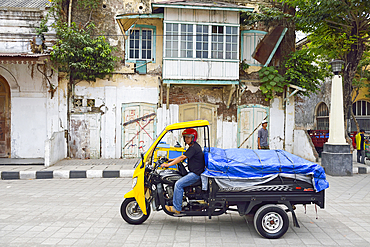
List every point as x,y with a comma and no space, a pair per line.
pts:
131,212
271,221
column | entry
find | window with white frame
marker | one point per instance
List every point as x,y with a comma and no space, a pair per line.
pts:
140,43
249,42
172,45
231,43
201,49
361,108
186,41
223,40
217,42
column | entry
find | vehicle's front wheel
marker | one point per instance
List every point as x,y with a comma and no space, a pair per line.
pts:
131,212
271,221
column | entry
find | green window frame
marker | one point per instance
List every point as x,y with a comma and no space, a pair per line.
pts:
249,42
141,43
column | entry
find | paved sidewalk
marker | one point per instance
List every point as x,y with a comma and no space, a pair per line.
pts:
91,168
86,212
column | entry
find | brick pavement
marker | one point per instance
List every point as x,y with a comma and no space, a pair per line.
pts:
81,212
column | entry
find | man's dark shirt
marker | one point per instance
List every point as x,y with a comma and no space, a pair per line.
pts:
362,141
195,158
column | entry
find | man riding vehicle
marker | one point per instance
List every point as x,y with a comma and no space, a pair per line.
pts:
196,166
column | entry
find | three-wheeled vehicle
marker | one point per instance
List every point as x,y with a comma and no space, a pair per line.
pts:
263,196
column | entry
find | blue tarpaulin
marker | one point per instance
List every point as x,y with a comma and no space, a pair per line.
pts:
260,165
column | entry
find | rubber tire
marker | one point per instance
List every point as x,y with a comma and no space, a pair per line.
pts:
278,213
128,202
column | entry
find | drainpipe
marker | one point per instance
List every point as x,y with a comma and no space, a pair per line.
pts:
69,13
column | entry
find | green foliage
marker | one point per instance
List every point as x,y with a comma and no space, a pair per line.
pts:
303,69
244,65
43,28
265,15
82,56
271,82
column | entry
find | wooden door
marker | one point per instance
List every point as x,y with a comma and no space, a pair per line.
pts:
138,130
4,119
200,111
249,119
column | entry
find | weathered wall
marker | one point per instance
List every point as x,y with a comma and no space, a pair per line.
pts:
55,148
18,28
305,107
109,95
303,146
34,114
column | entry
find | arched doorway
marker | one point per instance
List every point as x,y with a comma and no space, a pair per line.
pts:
4,118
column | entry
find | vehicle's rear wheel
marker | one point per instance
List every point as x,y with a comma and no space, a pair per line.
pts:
131,212
271,221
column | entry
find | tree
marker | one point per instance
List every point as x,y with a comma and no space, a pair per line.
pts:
82,56
338,29
80,53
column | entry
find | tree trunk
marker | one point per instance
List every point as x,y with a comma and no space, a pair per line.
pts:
352,60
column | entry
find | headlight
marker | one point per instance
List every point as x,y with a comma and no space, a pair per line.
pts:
134,181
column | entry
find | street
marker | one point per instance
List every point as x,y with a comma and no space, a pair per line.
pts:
81,212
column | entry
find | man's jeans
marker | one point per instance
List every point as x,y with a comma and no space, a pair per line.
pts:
178,192
361,153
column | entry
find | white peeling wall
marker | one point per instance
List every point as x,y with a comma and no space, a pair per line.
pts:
302,146
276,124
289,125
34,115
226,134
109,95
28,128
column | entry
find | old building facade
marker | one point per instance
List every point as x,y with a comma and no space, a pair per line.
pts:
179,61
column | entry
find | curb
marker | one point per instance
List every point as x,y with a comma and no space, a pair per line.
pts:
66,174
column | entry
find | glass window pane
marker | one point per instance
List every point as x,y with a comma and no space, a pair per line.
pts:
136,53
234,55
228,55
198,54
363,108
354,108
205,54
228,30
175,27
220,29
368,109
168,27
228,47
